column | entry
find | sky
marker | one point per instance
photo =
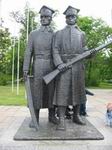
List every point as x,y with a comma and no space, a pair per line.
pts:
95,8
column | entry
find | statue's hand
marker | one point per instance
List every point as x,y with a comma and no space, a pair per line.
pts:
62,67
93,54
25,74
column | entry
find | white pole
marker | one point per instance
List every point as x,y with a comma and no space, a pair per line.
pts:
13,64
18,66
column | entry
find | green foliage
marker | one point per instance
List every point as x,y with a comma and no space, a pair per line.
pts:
108,67
4,39
99,67
5,43
96,30
4,79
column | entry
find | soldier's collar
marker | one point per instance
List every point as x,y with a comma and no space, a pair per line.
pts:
46,28
72,26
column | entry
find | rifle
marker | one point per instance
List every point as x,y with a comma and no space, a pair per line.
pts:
49,77
30,101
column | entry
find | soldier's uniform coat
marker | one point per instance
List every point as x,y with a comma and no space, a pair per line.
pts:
70,85
39,48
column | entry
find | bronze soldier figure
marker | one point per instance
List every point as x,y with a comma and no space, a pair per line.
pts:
70,84
39,49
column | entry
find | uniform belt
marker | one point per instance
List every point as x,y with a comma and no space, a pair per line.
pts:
67,58
43,56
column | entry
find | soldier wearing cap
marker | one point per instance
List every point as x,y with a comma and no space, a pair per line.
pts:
70,85
39,48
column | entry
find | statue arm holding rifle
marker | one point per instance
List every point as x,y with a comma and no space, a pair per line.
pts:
61,66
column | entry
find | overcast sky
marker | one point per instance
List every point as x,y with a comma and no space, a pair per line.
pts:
95,8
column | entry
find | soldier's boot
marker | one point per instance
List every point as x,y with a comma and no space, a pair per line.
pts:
76,117
61,125
52,117
31,124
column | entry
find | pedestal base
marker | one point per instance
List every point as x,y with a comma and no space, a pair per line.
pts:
47,131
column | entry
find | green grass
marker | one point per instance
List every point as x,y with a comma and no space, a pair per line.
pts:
106,85
7,97
103,85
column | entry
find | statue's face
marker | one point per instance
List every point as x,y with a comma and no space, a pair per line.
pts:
71,19
45,20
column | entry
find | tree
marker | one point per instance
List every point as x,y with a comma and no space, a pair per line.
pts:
96,33
5,41
5,45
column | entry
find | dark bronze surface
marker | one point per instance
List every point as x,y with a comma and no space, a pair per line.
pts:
47,131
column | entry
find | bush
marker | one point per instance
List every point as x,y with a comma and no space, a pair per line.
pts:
4,79
93,82
94,78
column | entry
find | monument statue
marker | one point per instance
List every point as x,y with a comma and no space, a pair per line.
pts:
70,84
39,49
63,51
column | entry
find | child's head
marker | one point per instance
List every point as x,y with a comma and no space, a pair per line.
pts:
109,106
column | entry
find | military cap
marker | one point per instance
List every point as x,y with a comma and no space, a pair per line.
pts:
46,11
71,11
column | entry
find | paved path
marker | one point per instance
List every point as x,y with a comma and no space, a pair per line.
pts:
11,118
